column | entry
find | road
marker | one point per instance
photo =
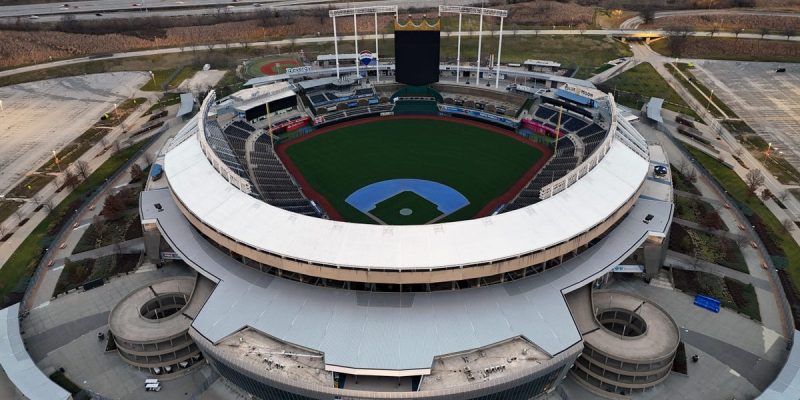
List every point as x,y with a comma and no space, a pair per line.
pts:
634,22
171,8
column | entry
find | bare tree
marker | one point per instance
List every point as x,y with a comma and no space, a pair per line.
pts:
782,196
648,13
738,152
683,165
789,32
48,205
691,175
99,225
754,179
82,167
763,31
37,200
582,27
738,31
18,213
766,194
714,29
789,225
70,179
136,173
116,145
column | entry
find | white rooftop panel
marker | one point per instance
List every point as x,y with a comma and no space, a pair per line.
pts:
578,208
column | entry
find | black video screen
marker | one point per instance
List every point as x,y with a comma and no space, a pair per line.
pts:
416,57
275,105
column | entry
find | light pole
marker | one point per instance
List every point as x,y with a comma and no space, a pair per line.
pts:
708,108
55,158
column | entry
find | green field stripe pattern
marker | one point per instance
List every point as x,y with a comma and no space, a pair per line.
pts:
476,162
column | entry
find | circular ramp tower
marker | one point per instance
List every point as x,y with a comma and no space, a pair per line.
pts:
629,342
150,325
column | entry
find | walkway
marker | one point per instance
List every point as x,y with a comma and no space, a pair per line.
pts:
768,303
689,263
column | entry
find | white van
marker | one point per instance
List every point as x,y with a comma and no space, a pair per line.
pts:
152,387
150,381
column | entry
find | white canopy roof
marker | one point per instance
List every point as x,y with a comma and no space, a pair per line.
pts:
571,212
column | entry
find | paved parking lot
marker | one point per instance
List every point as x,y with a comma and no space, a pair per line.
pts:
768,101
43,116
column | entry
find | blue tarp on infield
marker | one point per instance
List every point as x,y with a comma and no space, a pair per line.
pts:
447,199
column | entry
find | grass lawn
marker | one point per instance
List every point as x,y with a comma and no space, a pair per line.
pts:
77,273
698,211
707,247
682,183
31,185
733,294
7,208
701,94
732,49
478,163
586,53
422,210
634,87
166,79
16,272
781,169
773,231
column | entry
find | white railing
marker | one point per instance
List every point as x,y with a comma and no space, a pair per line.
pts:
230,176
619,129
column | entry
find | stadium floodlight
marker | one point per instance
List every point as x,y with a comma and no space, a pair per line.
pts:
355,12
480,11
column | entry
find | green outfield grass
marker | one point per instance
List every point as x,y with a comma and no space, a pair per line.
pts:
478,163
390,210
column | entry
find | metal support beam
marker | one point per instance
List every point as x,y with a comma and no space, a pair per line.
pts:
363,10
490,12
377,69
499,51
336,47
480,36
355,39
458,51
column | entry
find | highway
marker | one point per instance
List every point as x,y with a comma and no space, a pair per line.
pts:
172,8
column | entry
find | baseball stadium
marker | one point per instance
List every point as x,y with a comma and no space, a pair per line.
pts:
370,228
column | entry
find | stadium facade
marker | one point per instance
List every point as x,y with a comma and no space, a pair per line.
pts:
290,304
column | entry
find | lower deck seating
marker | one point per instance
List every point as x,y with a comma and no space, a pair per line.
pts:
562,163
274,182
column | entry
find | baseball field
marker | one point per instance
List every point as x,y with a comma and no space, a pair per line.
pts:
411,170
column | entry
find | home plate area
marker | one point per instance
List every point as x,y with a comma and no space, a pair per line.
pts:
407,201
